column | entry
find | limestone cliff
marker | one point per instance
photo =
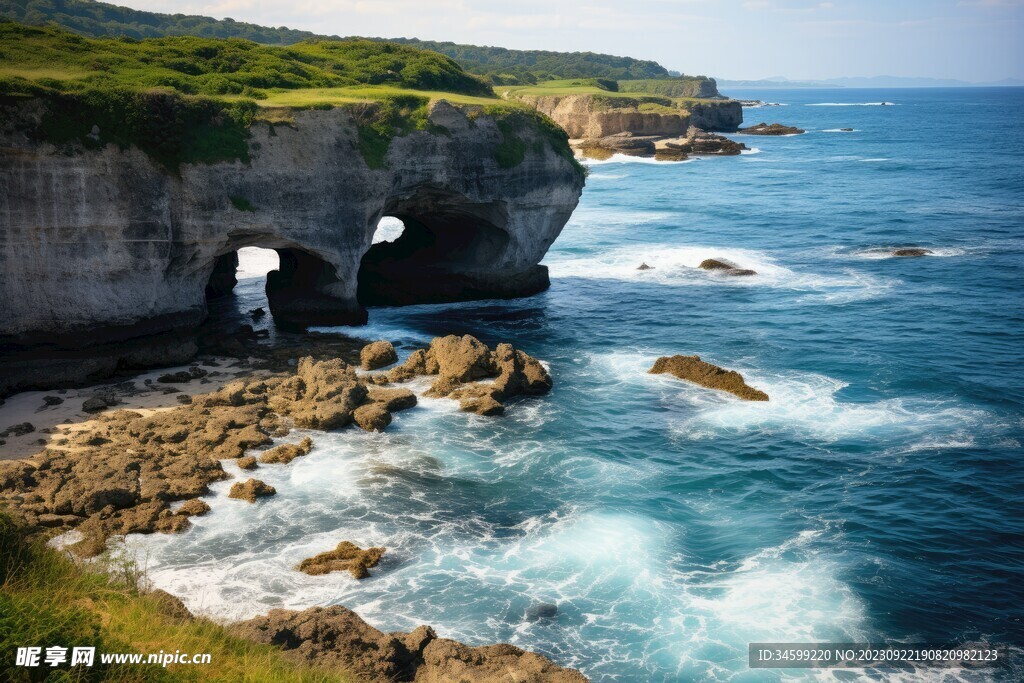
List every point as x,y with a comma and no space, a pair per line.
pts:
590,116
102,246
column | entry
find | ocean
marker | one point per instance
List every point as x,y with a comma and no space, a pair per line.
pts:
878,496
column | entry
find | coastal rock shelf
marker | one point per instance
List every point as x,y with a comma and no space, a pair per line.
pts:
693,369
107,257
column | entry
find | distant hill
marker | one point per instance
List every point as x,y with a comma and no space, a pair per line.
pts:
499,65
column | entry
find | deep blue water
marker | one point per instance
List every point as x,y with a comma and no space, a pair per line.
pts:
878,495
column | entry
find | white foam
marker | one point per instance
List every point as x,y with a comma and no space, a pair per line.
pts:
627,159
752,150
256,262
874,159
881,253
607,176
839,130
678,266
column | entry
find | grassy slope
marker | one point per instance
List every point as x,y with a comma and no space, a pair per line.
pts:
48,600
644,102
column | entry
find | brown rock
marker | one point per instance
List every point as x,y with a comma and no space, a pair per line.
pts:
246,463
250,490
725,268
698,141
482,405
911,251
346,557
693,369
377,355
321,395
373,417
169,605
194,508
772,129
336,636
393,400
285,453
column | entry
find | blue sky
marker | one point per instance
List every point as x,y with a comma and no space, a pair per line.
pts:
974,40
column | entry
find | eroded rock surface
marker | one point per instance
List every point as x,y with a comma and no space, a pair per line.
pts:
911,251
336,635
347,557
693,369
285,453
772,129
725,268
461,363
251,489
377,354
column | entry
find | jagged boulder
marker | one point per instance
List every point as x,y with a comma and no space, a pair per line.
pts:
377,355
285,453
772,129
693,369
346,557
194,508
338,636
321,395
250,490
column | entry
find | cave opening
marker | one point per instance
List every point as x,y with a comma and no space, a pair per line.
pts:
434,253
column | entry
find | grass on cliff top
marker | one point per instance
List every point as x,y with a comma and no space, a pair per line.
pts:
606,98
46,599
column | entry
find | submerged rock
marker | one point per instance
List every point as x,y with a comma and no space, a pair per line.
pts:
20,429
542,610
336,636
911,251
693,369
346,557
644,266
846,130
251,489
772,129
377,355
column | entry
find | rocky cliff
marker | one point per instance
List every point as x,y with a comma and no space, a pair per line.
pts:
590,116
101,247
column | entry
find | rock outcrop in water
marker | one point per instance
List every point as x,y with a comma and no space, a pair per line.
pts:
911,251
725,268
121,473
771,129
460,364
693,369
337,636
105,255
377,354
347,557
251,489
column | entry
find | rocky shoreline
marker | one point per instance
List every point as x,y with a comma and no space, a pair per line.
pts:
145,470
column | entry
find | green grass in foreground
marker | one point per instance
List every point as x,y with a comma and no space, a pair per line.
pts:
48,600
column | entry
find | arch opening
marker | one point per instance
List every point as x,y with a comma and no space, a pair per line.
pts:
445,251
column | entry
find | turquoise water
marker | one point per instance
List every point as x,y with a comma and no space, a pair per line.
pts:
878,495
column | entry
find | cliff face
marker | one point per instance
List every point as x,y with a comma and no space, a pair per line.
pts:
584,116
104,246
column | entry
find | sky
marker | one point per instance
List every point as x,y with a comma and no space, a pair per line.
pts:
971,40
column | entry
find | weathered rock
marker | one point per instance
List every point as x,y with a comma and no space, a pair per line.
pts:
372,417
183,399
52,400
105,284
94,405
321,395
194,507
346,557
644,266
250,490
246,463
393,400
725,268
285,453
337,636
698,141
20,429
377,354
693,369
911,251
169,605
846,130
772,129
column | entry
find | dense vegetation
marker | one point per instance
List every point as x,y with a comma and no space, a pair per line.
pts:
48,600
499,65
222,67
98,19
681,86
